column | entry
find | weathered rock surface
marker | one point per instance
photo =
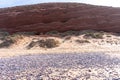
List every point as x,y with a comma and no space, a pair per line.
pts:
59,16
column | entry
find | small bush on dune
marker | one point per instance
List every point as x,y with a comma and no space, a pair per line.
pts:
32,44
6,43
63,34
82,41
52,32
69,33
26,33
15,37
9,40
51,43
48,43
96,35
3,34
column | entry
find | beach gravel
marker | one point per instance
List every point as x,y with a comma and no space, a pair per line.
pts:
72,66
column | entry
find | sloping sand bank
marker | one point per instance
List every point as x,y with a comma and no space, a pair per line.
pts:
69,44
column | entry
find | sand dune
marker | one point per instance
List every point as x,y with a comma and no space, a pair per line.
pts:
32,44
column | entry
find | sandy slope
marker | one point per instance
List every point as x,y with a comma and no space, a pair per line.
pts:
107,44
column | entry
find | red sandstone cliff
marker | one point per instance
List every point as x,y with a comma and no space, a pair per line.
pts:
60,17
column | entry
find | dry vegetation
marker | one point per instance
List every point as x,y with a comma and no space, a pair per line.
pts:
6,43
87,33
82,41
94,34
8,40
44,43
64,34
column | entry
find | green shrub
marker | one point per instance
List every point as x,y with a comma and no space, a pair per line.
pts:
9,40
6,43
26,33
96,35
108,36
14,37
82,41
32,44
52,32
69,33
3,34
48,43
51,43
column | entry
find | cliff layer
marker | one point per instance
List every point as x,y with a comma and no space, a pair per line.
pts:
59,16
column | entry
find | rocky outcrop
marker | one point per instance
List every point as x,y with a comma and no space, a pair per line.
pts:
59,16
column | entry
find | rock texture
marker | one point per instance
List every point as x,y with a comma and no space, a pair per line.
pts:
59,16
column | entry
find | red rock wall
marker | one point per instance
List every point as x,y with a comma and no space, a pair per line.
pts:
60,17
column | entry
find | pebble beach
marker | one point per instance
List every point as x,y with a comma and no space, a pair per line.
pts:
82,66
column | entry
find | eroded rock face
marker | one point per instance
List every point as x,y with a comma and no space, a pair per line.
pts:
60,17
